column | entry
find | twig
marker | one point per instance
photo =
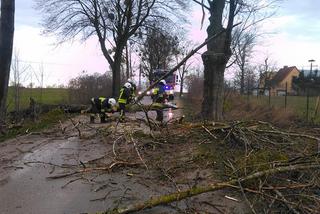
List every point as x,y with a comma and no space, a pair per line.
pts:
288,134
146,113
178,196
136,148
114,146
63,129
170,178
70,182
63,175
215,206
105,196
285,201
120,200
246,199
101,187
242,191
208,131
75,126
52,164
270,196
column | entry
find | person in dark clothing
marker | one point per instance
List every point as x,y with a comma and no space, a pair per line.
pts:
133,90
160,96
101,105
124,99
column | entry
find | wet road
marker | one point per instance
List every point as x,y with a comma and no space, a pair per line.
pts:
26,189
168,113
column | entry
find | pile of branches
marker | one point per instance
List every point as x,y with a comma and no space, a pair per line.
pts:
274,170
255,147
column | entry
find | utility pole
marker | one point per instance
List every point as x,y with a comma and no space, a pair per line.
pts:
140,70
311,61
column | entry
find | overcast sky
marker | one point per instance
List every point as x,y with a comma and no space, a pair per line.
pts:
293,38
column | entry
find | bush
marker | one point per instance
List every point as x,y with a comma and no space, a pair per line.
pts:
86,86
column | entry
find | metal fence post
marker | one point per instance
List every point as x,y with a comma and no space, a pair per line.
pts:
285,98
248,91
307,105
269,97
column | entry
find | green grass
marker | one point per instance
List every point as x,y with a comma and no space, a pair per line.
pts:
44,121
46,96
296,103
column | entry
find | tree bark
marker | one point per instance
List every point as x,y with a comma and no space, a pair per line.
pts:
215,59
242,78
116,70
181,86
6,43
116,73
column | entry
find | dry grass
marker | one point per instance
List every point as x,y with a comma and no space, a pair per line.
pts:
238,109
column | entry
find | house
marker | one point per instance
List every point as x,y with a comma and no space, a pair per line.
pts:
264,82
282,81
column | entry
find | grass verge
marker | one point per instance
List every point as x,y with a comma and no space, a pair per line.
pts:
45,121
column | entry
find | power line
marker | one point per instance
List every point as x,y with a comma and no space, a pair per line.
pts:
46,63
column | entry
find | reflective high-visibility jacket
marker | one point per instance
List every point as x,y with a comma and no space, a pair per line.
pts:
101,103
124,95
159,93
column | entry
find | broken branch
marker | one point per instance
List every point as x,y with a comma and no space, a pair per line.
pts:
178,196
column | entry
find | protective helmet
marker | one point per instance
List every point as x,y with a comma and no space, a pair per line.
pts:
130,80
163,82
112,102
133,84
127,85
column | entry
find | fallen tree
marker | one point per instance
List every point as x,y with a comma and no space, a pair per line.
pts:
269,165
178,196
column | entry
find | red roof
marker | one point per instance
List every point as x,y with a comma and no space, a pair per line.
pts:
282,74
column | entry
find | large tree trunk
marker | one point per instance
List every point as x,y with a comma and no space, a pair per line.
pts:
242,79
182,79
181,87
116,70
116,77
6,43
215,60
213,89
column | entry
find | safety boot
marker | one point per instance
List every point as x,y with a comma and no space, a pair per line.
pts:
91,119
103,119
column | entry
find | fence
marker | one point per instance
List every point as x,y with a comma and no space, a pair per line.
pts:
307,106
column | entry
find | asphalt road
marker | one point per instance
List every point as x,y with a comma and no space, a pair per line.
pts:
28,161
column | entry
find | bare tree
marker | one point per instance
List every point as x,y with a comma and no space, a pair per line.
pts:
248,77
266,73
17,72
112,21
157,50
6,43
183,50
243,44
223,15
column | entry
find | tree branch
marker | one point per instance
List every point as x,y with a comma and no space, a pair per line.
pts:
178,196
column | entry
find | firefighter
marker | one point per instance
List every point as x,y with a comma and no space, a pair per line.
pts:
101,105
160,96
133,90
124,99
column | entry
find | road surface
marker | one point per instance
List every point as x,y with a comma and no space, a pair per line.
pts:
27,161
